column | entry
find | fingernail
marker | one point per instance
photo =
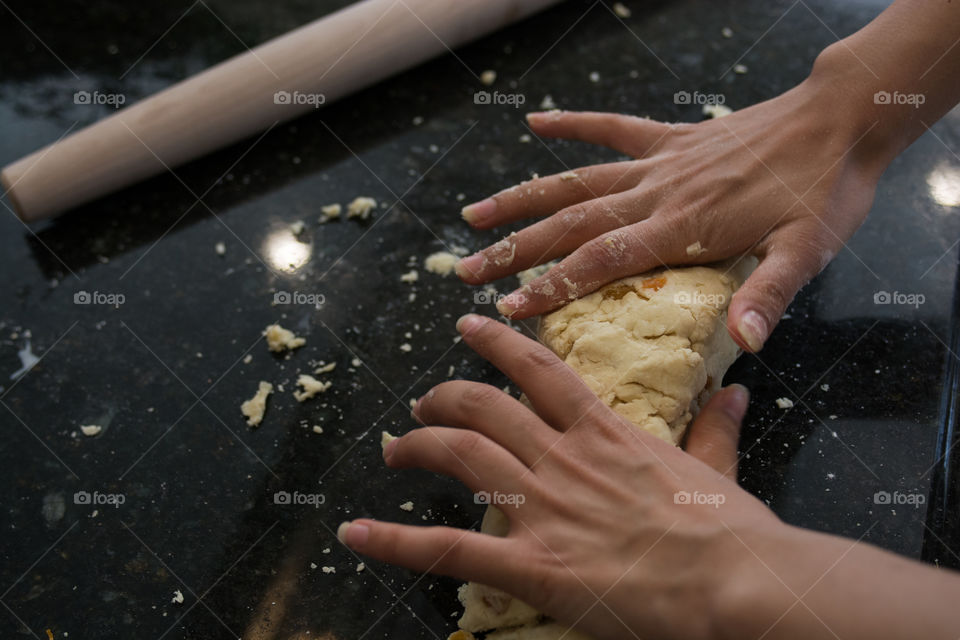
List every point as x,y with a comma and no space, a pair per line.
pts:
353,534
753,329
389,449
468,323
533,116
470,266
737,400
479,211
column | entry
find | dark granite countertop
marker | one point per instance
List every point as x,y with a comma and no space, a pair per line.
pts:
163,372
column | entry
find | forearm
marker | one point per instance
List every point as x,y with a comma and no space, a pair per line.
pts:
805,585
895,77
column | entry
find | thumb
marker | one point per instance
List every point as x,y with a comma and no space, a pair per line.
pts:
758,305
714,435
631,135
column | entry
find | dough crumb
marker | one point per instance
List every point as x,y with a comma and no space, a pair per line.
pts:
177,597
329,569
406,348
488,77
360,567
280,339
716,110
441,263
525,137
325,368
311,387
740,69
297,227
547,103
386,438
255,407
330,212
91,430
220,248
317,428
784,403
356,362
695,249
410,276
247,359
825,387
621,10
313,565
594,76
726,32
568,175
407,506
361,207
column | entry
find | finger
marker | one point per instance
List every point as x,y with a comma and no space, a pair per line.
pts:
627,134
558,235
557,394
761,301
466,555
470,457
624,252
489,411
544,196
714,435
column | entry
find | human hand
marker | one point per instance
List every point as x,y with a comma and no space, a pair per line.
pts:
783,180
617,528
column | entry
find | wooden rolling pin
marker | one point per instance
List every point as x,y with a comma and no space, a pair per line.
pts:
279,80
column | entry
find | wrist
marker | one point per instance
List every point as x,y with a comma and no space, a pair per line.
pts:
847,94
769,567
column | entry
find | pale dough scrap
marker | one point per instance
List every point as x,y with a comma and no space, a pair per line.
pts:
255,407
311,387
440,263
361,207
280,339
91,430
652,347
386,438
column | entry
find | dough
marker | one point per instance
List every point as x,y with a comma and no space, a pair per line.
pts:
361,207
255,407
441,262
280,339
652,347
311,387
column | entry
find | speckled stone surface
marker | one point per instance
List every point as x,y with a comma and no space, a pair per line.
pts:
163,372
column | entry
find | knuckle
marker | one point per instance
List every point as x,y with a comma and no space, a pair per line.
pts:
540,360
465,445
775,293
473,396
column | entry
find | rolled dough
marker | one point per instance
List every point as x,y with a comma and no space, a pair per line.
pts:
654,348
